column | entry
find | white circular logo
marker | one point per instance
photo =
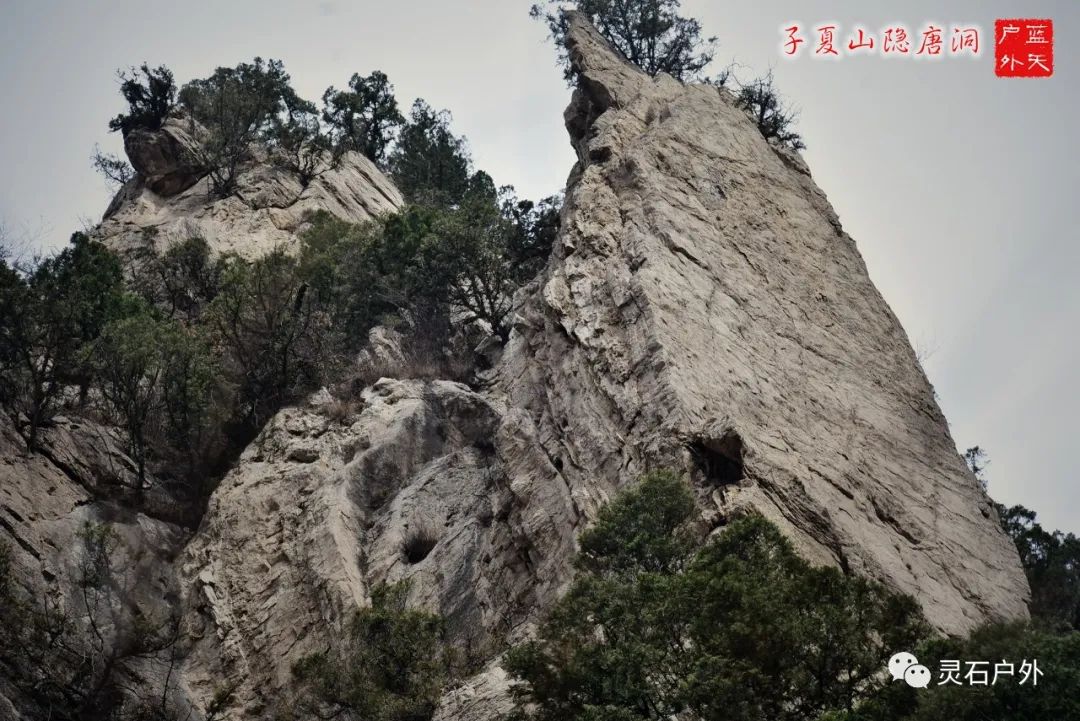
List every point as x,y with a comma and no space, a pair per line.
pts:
917,676
899,663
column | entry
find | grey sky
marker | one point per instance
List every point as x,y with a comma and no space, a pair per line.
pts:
959,187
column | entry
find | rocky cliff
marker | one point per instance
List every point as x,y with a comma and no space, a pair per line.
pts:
48,503
170,200
704,300
703,310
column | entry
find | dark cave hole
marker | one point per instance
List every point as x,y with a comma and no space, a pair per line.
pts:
719,460
419,543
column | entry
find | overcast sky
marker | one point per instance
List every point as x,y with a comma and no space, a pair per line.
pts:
959,187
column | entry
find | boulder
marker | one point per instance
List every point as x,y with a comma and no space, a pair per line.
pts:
168,160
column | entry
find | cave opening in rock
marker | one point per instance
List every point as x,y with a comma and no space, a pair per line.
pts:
418,543
719,461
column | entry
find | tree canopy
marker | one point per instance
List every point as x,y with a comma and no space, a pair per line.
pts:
430,164
650,33
742,628
364,118
55,309
1051,560
762,102
150,94
238,106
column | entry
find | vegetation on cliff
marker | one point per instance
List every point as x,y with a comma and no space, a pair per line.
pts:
390,665
658,626
85,657
652,35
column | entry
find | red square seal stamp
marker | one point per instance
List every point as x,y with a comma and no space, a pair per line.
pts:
1024,48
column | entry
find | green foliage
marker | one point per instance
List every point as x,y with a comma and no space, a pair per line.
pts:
132,362
797,641
254,104
427,263
390,665
56,310
157,377
639,531
341,263
1056,696
762,102
474,254
116,171
365,117
408,258
297,142
650,33
188,387
1051,560
271,333
13,301
150,94
430,165
741,629
181,281
363,274
534,229
238,106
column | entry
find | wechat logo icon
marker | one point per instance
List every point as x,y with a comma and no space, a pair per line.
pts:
905,666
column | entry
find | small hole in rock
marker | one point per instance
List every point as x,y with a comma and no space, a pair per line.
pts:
600,155
719,460
419,542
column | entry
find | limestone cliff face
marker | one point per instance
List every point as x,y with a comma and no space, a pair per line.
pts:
704,298
703,310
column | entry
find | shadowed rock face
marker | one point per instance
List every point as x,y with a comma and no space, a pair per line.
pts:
46,501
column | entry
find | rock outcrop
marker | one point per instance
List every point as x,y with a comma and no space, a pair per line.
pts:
704,301
47,502
703,310
170,199
168,159
323,506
